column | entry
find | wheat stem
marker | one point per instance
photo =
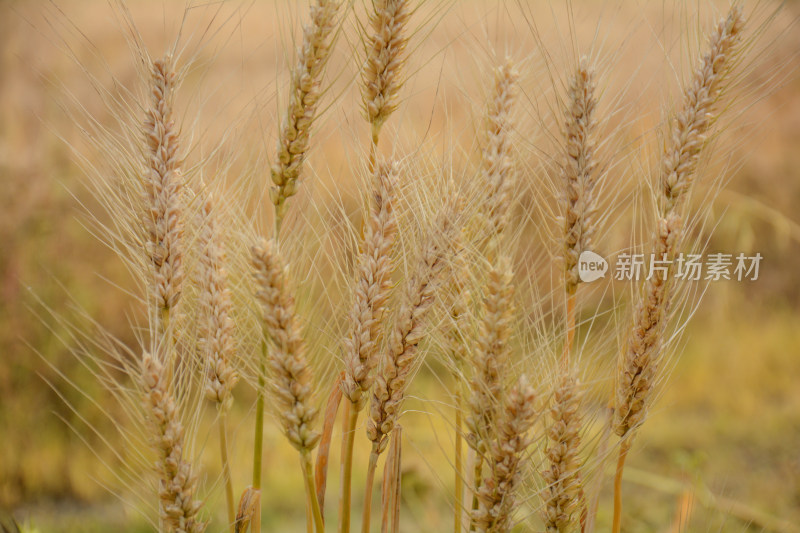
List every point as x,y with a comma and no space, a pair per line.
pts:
345,495
624,446
226,469
311,492
371,468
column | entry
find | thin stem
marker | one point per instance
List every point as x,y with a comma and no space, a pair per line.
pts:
348,440
311,491
373,465
476,481
624,446
459,480
259,438
226,469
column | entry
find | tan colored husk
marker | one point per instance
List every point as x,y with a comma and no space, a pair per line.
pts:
216,341
497,169
639,362
491,356
579,170
401,357
306,87
178,506
372,289
562,491
292,381
385,44
163,184
497,495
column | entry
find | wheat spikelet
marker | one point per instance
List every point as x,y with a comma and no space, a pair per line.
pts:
373,288
497,171
638,365
178,483
402,353
293,383
216,327
304,95
163,183
563,483
690,126
491,355
497,493
578,170
385,44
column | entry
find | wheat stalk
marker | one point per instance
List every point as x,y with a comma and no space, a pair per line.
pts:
217,340
679,163
293,382
373,287
402,356
639,363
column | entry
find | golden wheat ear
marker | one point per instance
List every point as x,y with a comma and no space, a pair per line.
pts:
291,372
304,94
163,188
507,458
385,45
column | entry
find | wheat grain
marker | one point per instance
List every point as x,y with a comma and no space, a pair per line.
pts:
638,365
561,495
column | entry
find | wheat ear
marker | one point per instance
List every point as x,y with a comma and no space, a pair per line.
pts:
373,287
163,183
178,482
562,491
638,363
306,88
401,357
497,494
497,179
679,161
491,357
292,377
385,45
578,171
497,170
217,341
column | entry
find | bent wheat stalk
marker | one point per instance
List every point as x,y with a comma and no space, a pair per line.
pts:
293,381
638,364
402,355
216,332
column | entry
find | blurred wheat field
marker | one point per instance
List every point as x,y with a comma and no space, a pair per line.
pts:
719,451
